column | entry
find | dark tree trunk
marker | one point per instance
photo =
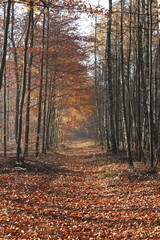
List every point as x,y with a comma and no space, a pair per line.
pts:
40,90
108,56
24,86
5,119
130,161
16,74
5,40
27,128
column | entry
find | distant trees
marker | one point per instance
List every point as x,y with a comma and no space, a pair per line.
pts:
46,84
132,66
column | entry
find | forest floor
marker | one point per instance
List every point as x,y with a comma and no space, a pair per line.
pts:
78,192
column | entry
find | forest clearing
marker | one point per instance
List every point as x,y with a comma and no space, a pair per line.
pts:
79,193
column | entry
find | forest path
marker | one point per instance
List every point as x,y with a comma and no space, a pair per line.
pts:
73,201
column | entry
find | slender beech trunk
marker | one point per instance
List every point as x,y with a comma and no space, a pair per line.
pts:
40,89
144,81
5,118
129,70
156,94
16,73
98,101
9,131
48,121
95,79
139,82
45,91
5,40
150,87
27,127
48,125
48,113
148,72
1,120
108,57
118,88
45,110
23,86
158,75
4,108
130,161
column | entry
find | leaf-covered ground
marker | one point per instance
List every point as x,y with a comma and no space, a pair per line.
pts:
79,194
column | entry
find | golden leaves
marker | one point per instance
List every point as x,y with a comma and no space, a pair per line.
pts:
45,10
99,12
70,201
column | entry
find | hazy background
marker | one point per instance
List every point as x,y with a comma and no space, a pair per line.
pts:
101,2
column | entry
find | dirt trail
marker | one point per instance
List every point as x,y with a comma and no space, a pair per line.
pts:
72,201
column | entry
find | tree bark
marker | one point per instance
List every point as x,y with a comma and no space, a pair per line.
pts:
150,87
27,127
24,86
40,90
108,57
130,161
45,91
16,73
5,40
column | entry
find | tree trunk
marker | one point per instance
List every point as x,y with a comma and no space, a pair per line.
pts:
139,35
40,90
24,86
130,161
45,92
27,127
16,74
5,119
5,40
108,78
150,87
